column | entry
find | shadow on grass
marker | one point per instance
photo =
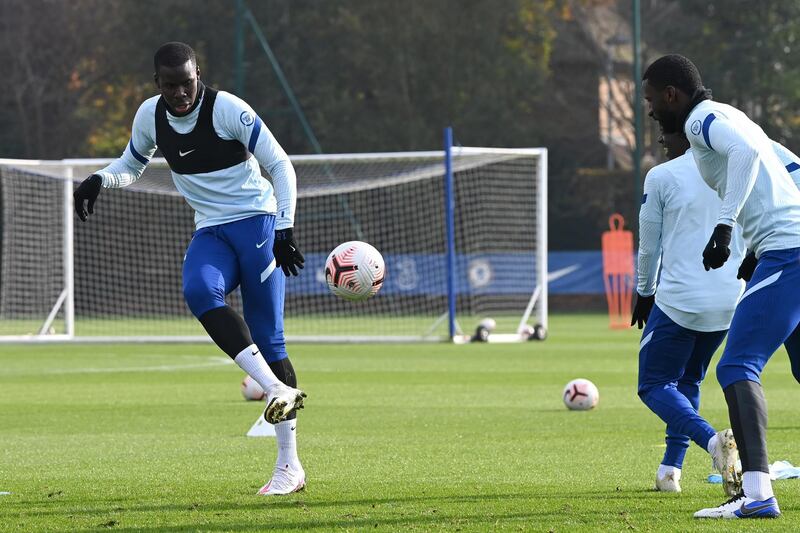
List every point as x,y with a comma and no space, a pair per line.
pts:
395,524
23,508
427,518
425,512
424,519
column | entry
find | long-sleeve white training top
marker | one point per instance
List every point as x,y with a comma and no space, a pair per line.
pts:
737,159
677,210
225,195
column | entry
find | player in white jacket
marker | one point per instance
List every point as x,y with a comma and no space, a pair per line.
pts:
214,143
690,317
737,159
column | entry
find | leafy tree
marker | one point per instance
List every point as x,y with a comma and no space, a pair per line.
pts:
390,75
746,52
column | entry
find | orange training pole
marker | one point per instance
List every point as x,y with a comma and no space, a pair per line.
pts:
618,272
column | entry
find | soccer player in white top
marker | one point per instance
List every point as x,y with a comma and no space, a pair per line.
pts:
737,159
214,143
691,313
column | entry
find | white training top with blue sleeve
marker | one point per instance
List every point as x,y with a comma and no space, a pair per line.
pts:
224,195
737,159
789,160
677,210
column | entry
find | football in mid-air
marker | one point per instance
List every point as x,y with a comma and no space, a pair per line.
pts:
354,271
251,390
581,395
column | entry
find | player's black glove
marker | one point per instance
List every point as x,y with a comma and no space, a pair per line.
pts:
287,256
718,248
747,267
642,308
87,190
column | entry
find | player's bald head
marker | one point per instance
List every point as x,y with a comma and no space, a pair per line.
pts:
674,70
173,54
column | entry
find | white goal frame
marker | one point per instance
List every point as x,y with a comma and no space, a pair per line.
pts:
65,303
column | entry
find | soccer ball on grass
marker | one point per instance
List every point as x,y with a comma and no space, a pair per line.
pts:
581,395
251,390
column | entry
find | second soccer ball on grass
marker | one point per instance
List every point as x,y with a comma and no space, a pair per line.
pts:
580,395
354,271
251,390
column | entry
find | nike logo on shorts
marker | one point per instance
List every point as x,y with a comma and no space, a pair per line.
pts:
262,244
182,154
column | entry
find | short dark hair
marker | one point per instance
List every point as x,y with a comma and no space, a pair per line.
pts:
173,54
675,70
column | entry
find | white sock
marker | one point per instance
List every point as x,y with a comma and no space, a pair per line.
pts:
712,442
665,470
286,435
251,361
757,485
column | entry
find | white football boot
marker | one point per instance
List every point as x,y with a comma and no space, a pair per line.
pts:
725,457
740,506
286,479
671,482
282,400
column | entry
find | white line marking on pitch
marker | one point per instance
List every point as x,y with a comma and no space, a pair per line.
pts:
211,362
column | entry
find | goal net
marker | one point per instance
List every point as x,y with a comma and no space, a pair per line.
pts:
118,276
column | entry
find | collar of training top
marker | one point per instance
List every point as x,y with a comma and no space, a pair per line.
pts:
700,95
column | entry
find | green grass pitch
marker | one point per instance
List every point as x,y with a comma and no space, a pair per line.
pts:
399,437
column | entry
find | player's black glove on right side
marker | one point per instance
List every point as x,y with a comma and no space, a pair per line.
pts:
747,267
287,256
642,308
718,248
87,190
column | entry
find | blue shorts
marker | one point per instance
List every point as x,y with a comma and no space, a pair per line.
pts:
767,316
239,254
669,353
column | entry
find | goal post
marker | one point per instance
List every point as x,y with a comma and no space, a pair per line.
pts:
506,256
117,277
